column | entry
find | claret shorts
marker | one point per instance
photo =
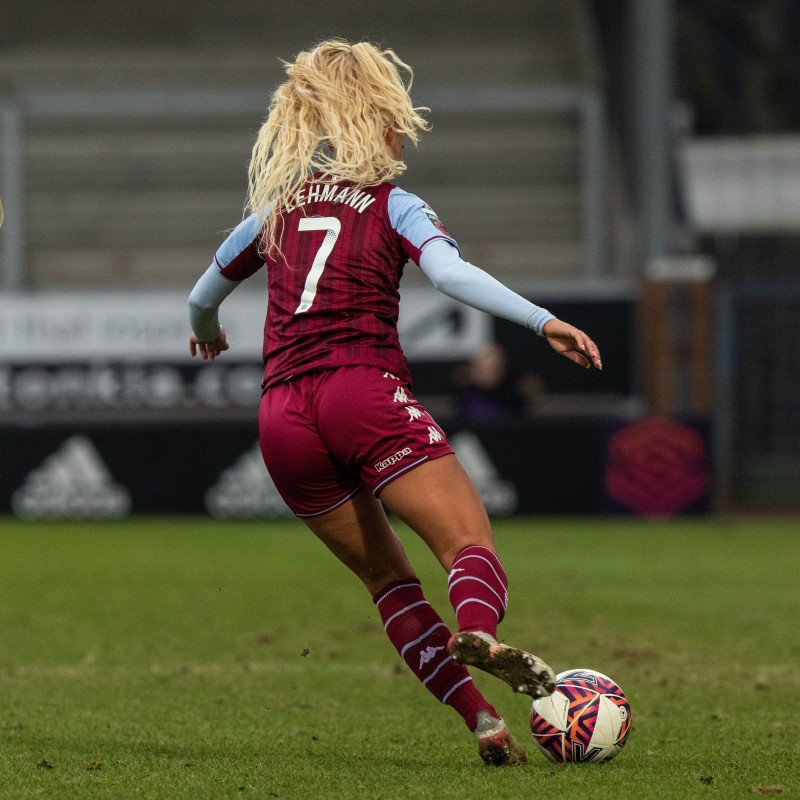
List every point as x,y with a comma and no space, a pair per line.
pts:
325,434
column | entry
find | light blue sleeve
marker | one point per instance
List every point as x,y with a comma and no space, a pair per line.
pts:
235,254
415,222
205,300
467,283
236,259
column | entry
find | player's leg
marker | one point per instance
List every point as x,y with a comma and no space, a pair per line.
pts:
371,422
439,502
352,524
359,534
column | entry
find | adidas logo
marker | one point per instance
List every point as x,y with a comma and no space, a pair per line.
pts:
245,489
499,496
72,483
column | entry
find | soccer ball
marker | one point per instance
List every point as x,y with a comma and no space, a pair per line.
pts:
587,718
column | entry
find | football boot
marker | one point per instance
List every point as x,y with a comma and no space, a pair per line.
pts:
496,744
523,672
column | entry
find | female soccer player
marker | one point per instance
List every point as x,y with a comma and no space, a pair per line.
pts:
338,424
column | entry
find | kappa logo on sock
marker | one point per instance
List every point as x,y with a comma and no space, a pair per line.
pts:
427,654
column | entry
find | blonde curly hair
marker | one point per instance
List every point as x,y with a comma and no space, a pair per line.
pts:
331,116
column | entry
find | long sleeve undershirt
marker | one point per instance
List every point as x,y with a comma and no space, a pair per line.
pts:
469,284
204,302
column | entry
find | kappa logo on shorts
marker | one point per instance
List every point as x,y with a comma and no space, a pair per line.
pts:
434,435
393,459
400,395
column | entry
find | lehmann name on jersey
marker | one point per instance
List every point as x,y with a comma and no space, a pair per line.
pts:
330,192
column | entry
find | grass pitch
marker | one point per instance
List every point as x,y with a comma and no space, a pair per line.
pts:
187,658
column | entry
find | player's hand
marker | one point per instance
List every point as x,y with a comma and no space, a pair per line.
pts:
208,349
572,343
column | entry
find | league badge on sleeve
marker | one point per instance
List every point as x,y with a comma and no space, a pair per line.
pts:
437,223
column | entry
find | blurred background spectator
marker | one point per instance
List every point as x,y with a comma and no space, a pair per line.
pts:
491,387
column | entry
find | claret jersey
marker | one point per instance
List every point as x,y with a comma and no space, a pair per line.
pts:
334,288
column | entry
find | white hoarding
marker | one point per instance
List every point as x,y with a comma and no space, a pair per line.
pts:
145,327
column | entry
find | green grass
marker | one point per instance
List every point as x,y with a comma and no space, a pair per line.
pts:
163,658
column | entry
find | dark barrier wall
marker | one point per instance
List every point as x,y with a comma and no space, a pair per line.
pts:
100,431
574,466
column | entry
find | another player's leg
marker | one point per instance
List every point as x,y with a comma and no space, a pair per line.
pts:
439,502
359,534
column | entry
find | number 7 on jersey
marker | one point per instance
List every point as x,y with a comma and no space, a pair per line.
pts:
332,227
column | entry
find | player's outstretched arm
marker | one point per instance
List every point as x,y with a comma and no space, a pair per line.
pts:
208,349
465,282
572,343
